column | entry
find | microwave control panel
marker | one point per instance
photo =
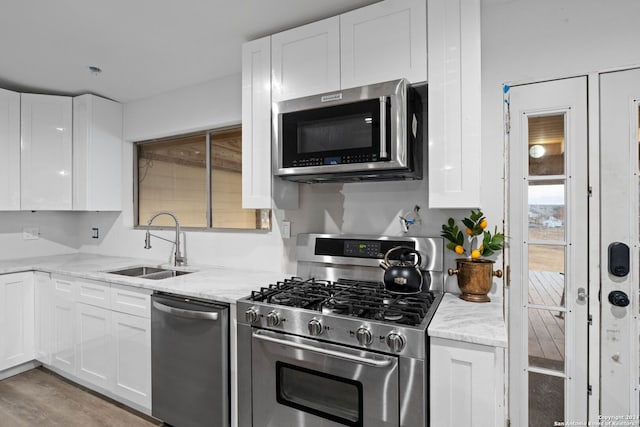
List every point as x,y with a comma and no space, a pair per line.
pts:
335,160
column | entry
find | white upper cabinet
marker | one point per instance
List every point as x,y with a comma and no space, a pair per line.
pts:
256,132
46,133
97,154
384,41
306,60
454,103
10,149
256,124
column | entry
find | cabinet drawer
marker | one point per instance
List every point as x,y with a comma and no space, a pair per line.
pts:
94,293
63,287
131,301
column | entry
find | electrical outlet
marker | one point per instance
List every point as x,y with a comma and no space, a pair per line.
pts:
285,230
30,233
95,233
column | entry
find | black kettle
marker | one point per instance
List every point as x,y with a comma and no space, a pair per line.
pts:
403,276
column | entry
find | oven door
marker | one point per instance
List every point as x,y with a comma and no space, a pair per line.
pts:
305,383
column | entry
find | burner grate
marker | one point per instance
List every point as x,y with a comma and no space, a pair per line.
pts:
361,299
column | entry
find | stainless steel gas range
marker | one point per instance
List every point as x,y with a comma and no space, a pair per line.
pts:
332,347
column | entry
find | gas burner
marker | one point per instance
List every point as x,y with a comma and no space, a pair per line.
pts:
283,298
392,316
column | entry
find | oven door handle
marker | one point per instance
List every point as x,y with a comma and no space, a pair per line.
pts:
327,352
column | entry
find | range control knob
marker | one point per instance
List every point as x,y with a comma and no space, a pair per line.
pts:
251,315
395,342
273,319
315,327
363,335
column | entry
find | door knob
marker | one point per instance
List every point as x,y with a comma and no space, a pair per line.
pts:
618,298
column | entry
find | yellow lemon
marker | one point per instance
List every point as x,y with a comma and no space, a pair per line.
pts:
475,254
483,224
459,249
469,231
481,248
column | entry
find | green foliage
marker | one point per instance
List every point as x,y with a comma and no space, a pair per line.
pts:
475,226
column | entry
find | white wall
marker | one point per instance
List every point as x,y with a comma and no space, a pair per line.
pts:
58,234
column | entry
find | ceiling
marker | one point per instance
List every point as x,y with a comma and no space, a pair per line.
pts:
144,47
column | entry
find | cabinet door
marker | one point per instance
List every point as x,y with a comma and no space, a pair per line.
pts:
94,345
132,355
256,124
43,315
97,154
46,129
10,149
454,106
63,325
16,319
466,384
384,41
306,60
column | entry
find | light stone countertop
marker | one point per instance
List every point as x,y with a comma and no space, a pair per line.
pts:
477,323
207,282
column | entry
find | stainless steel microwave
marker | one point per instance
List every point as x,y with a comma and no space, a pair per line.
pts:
366,133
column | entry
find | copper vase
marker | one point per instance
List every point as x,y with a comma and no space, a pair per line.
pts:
475,277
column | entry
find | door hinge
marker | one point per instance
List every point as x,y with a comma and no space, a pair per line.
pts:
507,278
590,191
508,423
589,390
590,322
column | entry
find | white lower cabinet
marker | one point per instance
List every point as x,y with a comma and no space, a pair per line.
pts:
86,331
63,325
43,315
466,384
16,320
94,349
132,356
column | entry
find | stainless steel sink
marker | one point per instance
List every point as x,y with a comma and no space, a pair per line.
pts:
148,272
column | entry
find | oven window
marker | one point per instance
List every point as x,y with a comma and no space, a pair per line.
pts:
327,396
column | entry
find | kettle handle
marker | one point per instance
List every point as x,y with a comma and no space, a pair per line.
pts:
418,261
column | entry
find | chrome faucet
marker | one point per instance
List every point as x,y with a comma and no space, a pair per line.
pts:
179,260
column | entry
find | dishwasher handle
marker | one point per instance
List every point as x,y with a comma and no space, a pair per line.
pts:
190,314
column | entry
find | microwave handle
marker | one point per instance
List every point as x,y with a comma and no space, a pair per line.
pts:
383,127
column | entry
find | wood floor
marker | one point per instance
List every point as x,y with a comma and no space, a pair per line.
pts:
39,398
546,327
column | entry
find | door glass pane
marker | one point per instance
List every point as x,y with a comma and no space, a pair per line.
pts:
546,145
546,400
546,275
546,339
172,176
547,211
226,185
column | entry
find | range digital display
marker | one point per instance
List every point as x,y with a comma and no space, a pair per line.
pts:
362,249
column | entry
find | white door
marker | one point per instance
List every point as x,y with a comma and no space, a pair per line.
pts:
619,136
94,346
306,60
16,319
547,229
132,356
46,152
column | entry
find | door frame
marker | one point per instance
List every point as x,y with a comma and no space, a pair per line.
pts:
593,238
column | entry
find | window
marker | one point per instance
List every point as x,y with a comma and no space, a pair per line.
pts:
198,178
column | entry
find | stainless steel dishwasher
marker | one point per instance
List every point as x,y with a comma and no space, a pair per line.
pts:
189,361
